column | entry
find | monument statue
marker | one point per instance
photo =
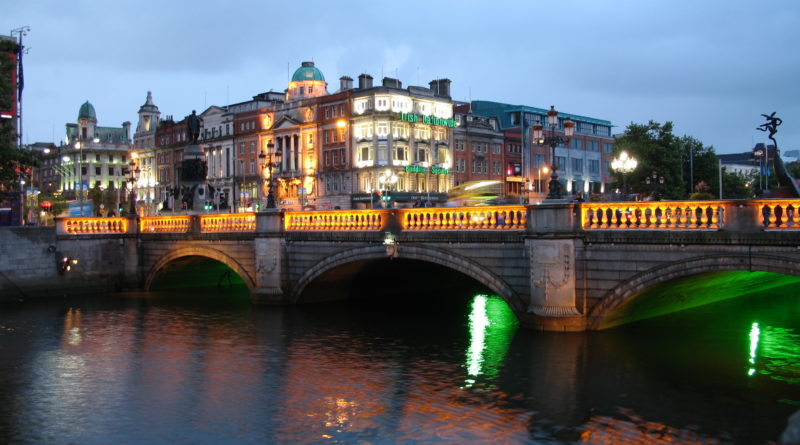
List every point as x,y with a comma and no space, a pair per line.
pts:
193,127
771,126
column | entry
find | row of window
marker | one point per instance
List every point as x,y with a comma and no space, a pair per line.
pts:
333,111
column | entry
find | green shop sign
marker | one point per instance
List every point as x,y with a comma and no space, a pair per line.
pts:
434,170
425,119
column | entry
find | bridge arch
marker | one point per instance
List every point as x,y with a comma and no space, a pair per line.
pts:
684,268
205,252
444,258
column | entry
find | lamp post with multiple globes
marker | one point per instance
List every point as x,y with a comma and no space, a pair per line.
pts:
552,140
624,164
272,161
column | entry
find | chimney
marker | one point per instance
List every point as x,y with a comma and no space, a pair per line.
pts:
440,87
127,126
364,81
392,83
346,83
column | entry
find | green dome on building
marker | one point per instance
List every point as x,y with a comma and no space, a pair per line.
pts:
306,72
87,112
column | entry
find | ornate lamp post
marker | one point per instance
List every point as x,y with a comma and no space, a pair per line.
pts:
656,181
552,140
387,180
134,175
624,164
271,161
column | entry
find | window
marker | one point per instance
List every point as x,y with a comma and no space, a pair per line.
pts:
252,147
97,158
335,161
594,146
538,161
327,112
496,170
576,143
399,154
241,148
577,166
365,153
252,166
97,171
594,166
327,136
422,154
561,162
496,149
607,147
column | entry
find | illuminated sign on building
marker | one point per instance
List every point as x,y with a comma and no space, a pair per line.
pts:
433,120
434,170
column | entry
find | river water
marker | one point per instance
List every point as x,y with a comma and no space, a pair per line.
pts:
193,368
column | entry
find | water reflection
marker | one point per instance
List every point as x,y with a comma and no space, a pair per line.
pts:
133,370
492,325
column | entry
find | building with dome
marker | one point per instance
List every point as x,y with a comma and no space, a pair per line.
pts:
93,156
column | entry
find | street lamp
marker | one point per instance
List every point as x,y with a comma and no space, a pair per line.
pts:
624,164
656,181
387,179
272,161
544,169
134,175
552,140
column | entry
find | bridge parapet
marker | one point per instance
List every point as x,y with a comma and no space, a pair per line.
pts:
656,215
165,224
372,220
779,214
95,226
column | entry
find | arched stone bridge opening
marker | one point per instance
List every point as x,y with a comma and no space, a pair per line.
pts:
691,283
350,273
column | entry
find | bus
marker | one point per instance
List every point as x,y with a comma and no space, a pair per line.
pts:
475,193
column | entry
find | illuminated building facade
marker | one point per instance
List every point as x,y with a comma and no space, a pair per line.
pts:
171,140
401,140
144,144
583,164
334,178
94,156
248,120
216,138
478,149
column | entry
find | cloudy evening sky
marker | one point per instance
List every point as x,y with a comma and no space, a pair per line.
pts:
711,67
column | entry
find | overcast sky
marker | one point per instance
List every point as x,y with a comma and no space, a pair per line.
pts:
710,67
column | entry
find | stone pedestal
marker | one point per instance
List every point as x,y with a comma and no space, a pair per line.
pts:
194,190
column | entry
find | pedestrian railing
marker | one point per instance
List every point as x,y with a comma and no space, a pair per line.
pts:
770,215
782,214
228,222
91,226
334,220
464,218
165,224
656,215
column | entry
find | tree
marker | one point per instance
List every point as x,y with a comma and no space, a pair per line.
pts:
679,160
14,161
657,150
794,169
737,185
700,164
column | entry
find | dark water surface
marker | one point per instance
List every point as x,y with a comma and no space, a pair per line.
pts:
446,369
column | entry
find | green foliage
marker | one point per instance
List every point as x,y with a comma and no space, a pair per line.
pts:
658,150
13,160
737,185
700,196
59,205
794,169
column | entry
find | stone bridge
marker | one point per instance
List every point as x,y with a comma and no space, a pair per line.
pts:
559,266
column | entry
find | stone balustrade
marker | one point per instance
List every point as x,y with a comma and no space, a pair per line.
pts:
746,215
655,215
781,214
336,220
228,222
93,226
464,218
165,224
